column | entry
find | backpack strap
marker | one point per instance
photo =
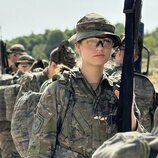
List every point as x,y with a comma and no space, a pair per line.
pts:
66,81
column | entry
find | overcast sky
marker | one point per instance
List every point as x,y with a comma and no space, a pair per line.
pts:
23,17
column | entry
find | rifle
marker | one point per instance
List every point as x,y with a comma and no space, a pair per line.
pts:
141,50
138,63
3,57
132,10
148,60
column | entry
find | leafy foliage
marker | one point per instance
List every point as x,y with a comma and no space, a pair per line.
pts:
40,45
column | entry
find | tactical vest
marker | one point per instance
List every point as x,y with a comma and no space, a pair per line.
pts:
31,81
10,95
7,96
145,99
5,79
2,104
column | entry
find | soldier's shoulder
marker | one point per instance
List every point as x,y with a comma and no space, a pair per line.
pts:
25,78
66,76
5,79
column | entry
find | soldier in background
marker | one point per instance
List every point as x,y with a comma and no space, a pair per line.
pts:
63,56
144,101
14,52
7,146
23,65
39,65
118,56
131,144
61,59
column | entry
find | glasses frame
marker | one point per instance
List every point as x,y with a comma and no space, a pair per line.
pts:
95,42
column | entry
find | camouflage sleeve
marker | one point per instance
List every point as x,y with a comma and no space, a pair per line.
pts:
44,125
25,85
22,118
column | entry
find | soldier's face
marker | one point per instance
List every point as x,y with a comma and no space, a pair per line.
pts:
12,58
95,51
24,67
119,55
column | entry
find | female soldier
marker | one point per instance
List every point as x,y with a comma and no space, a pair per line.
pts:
77,112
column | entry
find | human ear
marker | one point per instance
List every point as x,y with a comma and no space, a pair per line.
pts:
77,46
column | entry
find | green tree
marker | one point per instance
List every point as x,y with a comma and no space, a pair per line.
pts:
53,39
119,29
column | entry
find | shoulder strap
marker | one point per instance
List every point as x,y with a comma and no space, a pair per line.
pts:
65,79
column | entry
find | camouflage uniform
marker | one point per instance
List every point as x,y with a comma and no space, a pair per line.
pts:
8,93
72,119
5,79
7,146
131,144
145,99
32,82
81,111
15,49
29,95
22,120
115,74
60,55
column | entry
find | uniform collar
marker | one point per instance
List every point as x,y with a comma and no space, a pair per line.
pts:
76,73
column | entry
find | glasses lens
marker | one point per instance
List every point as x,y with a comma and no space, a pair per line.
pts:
92,42
95,42
107,43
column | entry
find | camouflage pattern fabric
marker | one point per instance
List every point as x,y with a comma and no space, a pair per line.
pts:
77,110
17,76
95,25
17,49
45,84
5,79
114,72
21,124
10,95
32,82
145,95
22,119
2,104
125,145
109,67
7,146
131,144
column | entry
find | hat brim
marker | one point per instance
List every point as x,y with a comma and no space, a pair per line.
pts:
83,35
19,53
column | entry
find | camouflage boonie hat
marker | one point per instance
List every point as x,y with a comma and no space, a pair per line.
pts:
17,49
25,58
95,25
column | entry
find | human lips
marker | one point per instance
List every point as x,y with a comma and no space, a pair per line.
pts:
99,55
